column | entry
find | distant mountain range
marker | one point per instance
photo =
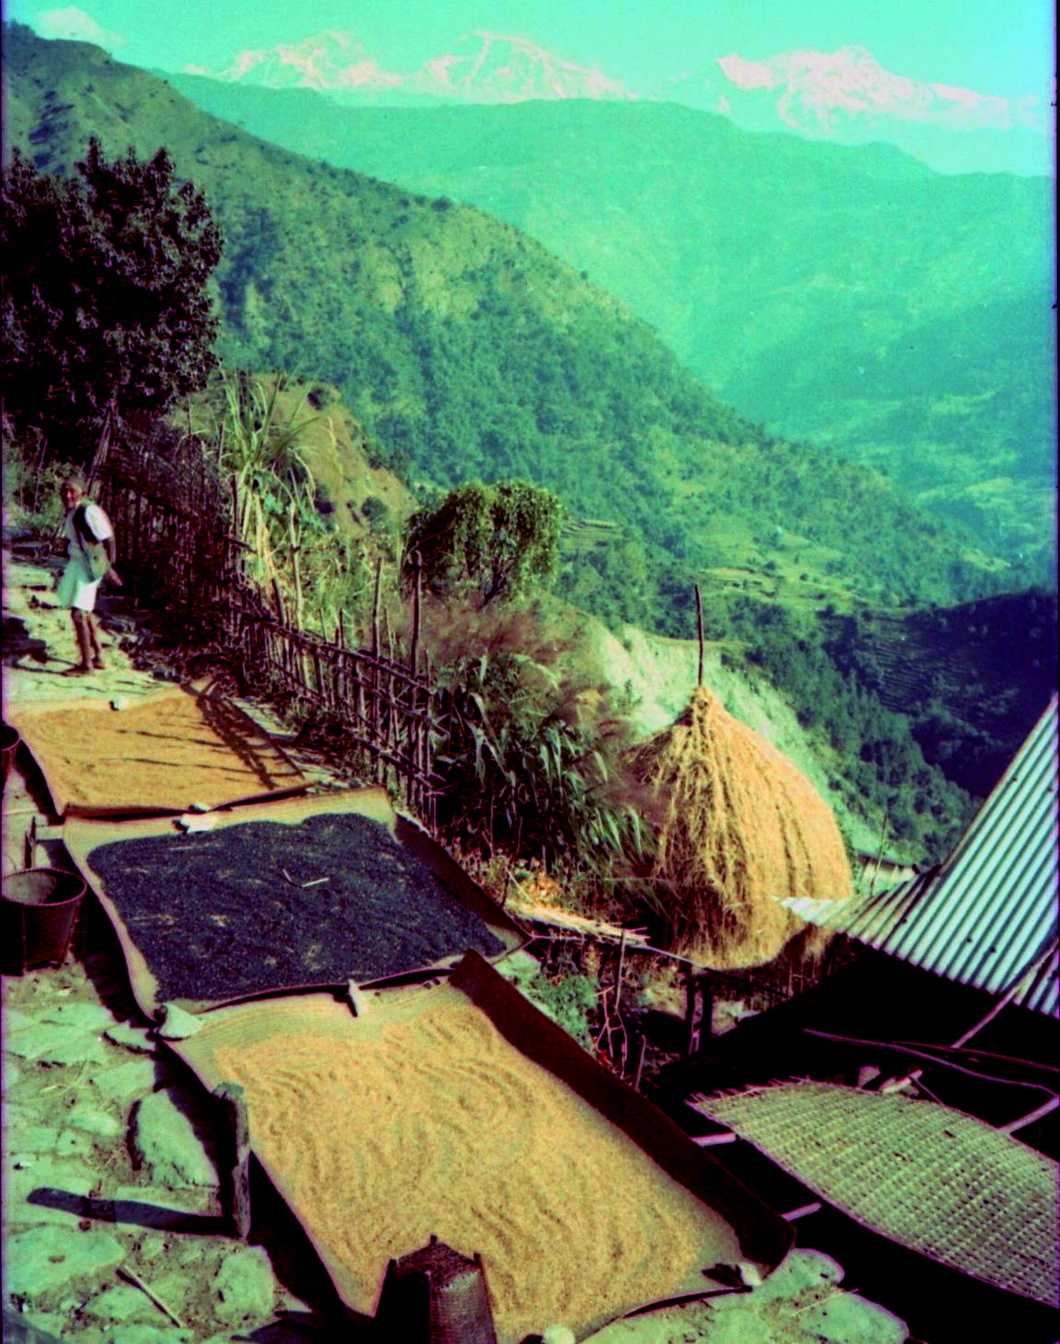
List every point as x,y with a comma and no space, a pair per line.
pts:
482,68
845,295
844,96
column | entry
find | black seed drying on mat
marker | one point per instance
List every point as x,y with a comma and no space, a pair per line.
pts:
215,917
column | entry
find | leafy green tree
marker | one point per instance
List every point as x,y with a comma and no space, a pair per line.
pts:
485,543
105,305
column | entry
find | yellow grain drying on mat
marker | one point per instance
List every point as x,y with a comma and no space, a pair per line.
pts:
740,826
165,751
436,1124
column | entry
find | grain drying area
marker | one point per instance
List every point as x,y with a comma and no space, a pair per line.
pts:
358,1123
426,1120
285,894
156,753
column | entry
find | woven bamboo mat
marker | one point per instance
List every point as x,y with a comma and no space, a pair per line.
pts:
932,1178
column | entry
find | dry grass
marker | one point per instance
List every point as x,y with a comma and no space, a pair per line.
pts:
741,826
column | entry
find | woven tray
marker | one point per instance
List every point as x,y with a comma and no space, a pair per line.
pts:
924,1175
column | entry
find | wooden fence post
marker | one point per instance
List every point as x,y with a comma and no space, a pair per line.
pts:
699,1003
236,1182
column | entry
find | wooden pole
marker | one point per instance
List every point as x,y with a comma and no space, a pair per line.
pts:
416,598
618,978
699,627
640,1062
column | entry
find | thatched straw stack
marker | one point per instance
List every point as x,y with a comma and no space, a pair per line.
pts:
739,825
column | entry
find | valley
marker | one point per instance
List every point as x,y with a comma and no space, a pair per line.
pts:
845,296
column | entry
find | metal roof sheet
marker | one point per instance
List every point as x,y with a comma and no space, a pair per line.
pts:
988,916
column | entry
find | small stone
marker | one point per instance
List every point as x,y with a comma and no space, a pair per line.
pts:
245,1287
175,1024
48,1258
132,1038
557,1334
165,1144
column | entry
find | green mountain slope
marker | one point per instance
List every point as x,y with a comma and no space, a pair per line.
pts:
466,349
846,295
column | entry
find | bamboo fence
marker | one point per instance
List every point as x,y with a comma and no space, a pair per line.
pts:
174,524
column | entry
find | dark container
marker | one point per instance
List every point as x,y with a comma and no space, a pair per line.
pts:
435,1296
38,911
9,740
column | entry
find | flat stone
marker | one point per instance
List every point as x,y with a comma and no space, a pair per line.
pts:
165,1144
19,1329
57,1043
14,1022
44,1259
126,1081
132,1038
245,1287
94,1121
847,1318
149,1334
122,1303
19,1185
739,1325
12,1072
89,1016
32,1138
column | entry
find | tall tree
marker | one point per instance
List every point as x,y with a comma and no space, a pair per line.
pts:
485,542
105,302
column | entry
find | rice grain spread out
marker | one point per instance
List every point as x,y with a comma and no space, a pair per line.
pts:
169,751
436,1124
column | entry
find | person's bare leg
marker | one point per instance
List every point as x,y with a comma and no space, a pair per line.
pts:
93,640
84,644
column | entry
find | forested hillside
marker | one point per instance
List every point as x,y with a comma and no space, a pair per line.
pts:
850,296
466,350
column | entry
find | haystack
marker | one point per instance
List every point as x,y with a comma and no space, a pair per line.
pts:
739,826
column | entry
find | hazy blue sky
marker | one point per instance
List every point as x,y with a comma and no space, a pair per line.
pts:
999,48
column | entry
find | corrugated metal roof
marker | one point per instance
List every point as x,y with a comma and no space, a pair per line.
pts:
988,915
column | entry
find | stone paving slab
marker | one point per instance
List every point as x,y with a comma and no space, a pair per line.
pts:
44,1259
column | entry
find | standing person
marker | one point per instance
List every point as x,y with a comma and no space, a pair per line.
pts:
90,541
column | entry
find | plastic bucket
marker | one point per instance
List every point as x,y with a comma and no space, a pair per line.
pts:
38,911
9,740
